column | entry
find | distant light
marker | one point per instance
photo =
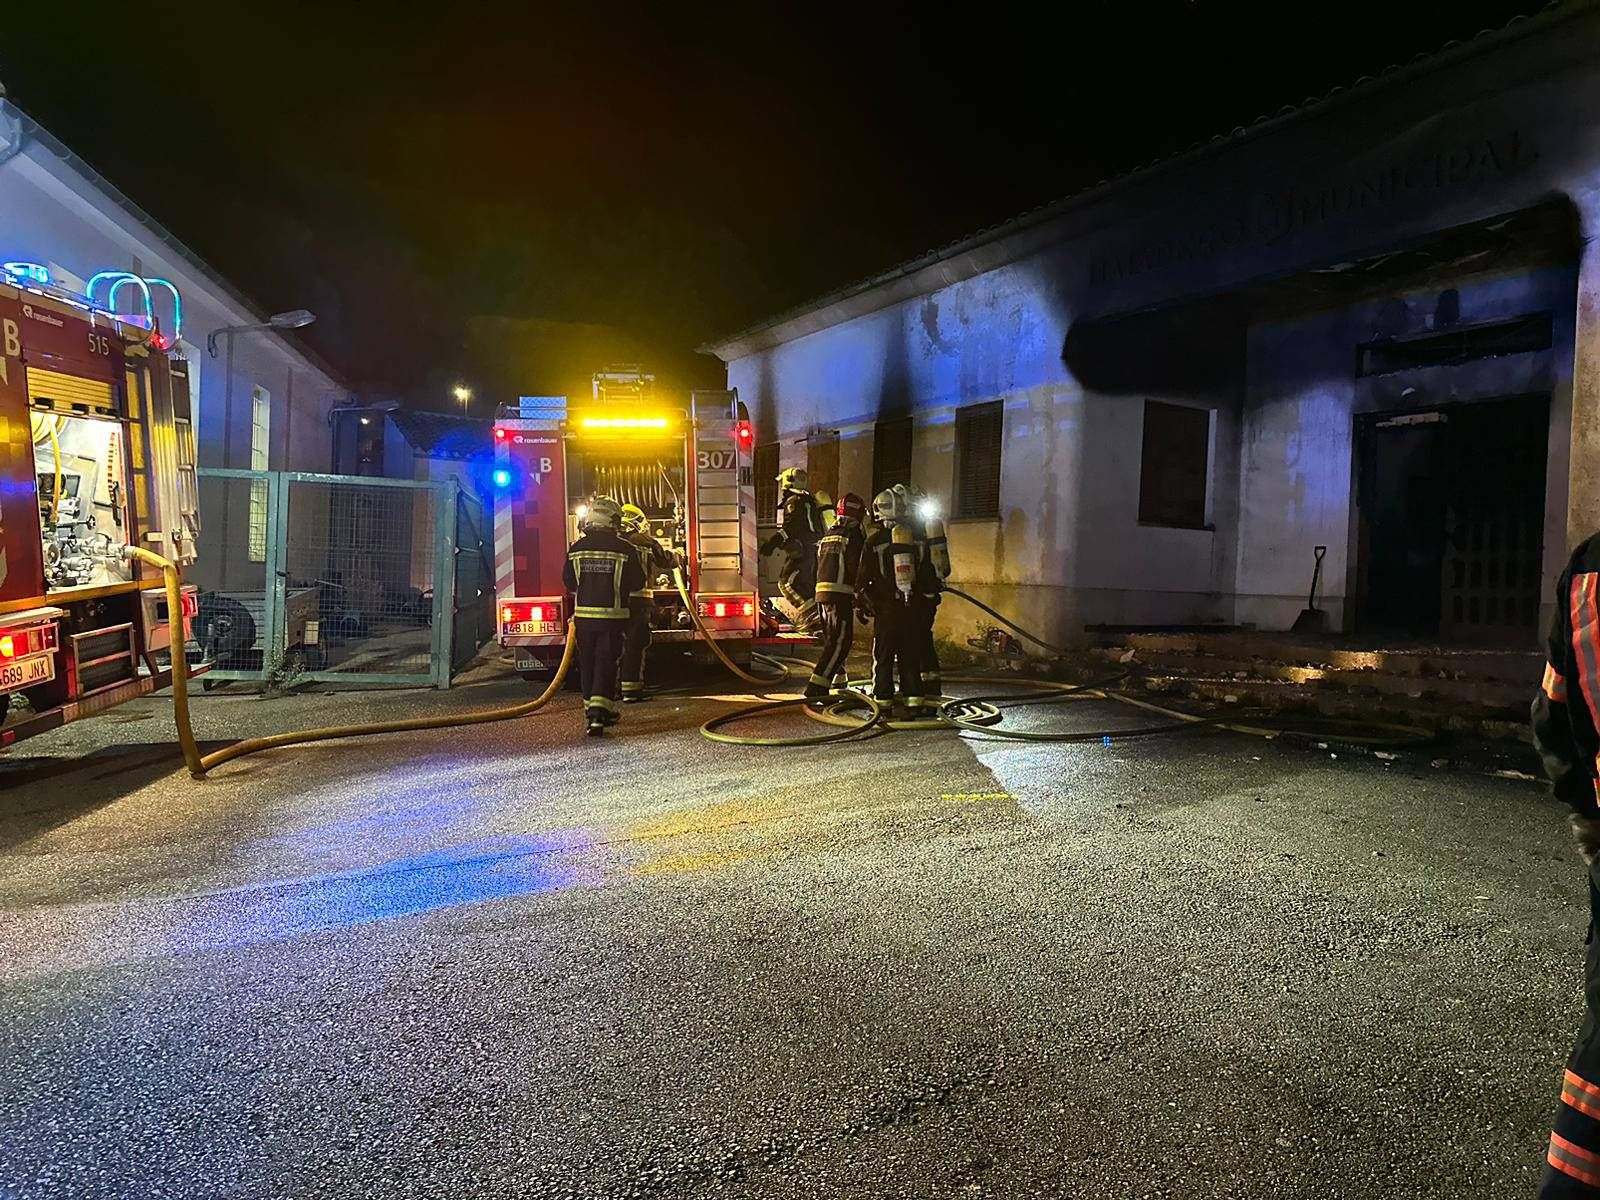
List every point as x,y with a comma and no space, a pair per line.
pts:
295,318
500,434
28,272
582,512
502,477
366,420
462,392
927,509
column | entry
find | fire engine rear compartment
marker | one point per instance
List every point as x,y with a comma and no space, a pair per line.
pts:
81,472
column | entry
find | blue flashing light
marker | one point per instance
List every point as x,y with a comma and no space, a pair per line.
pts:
502,477
29,272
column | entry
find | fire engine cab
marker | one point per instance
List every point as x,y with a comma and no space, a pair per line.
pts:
96,454
688,468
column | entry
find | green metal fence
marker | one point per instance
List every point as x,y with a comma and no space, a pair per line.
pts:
340,578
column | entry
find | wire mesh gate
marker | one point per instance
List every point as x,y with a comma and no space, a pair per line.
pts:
340,578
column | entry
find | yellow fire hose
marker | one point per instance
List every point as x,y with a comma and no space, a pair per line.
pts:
199,764
694,615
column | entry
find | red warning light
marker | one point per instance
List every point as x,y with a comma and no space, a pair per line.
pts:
8,647
536,612
719,609
745,433
499,434
749,609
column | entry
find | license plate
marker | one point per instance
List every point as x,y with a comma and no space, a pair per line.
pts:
531,627
39,669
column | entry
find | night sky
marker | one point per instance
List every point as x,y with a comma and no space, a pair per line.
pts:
514,195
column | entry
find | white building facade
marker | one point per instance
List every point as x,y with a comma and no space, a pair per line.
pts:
1370,325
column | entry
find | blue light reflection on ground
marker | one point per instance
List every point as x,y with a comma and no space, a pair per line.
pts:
492,869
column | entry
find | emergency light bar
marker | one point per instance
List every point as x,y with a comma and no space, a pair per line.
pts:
623,422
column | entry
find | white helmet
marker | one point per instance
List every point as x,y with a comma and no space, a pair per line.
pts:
889,506
603,513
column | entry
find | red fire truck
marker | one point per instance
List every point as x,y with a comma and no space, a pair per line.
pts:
688,468
96,454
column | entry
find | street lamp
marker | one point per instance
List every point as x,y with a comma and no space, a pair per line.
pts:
295,318
463,393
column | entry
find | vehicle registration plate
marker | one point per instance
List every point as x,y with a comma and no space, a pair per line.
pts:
534,627
41,668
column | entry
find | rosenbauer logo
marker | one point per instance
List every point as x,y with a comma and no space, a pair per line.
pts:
42,317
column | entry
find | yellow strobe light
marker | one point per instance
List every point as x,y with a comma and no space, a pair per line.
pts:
624,422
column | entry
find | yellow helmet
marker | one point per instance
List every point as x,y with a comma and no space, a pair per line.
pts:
633,518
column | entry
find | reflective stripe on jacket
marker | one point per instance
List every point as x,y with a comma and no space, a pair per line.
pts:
1564,710
601,572
839,560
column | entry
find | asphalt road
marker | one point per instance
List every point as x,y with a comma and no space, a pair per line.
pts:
511,961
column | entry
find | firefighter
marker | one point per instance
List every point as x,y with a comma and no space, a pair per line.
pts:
802,528
888,594
933,568
653,560
602,572
1565,721
838,564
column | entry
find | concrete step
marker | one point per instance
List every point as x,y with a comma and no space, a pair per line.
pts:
1290,697
1510,698
1520,667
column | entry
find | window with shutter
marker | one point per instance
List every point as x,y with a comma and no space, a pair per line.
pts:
766,470
822,463
891,454
978,437
1173,465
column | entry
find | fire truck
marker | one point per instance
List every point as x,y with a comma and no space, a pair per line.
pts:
688,467
97,454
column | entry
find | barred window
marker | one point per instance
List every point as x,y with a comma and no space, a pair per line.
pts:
766,470
260,441
978,437
891,453
1173,465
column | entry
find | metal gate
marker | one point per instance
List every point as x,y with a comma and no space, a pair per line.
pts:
339,578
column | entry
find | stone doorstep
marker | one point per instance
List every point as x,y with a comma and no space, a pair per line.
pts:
1521,667
1291,697
1474,692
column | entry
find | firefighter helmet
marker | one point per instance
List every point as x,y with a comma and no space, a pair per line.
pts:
851,508
794,479
633,518
889,506
603,513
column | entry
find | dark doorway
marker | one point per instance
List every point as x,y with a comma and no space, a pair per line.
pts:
1450,532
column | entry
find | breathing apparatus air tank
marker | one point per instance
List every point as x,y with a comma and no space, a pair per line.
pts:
938,543
905,558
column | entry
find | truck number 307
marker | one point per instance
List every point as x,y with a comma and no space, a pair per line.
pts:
715,460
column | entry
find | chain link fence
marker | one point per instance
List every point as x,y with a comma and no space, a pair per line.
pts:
340,578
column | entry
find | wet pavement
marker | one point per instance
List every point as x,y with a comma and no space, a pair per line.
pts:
511,961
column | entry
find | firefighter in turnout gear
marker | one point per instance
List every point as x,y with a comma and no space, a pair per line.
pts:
933,569
890,594
1566,717
838,564
803,527
653,559
601,573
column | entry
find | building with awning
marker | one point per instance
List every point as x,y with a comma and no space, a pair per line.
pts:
1369,324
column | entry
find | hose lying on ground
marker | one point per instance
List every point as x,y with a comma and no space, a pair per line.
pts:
199,764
